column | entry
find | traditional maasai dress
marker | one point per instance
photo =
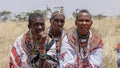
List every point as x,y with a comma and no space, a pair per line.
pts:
78,52
55,46
24,53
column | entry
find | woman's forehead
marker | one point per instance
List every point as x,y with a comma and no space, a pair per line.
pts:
38,19
59,16
84,14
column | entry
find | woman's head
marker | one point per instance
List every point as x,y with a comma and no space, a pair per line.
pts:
83,22
57,20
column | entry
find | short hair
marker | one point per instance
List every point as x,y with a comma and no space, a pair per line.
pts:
82,11
34,15
57,13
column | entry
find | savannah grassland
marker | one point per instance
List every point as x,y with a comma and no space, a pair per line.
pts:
109,28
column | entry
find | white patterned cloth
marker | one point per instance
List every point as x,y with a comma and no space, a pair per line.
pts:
53,52
21,56
69,57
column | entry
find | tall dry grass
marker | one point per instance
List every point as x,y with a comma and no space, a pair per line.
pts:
108,27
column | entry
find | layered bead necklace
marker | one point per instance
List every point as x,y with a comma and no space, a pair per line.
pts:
83,49
58,41
33,48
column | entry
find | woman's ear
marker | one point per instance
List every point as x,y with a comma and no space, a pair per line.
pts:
76,22
91,22
50,20
29,26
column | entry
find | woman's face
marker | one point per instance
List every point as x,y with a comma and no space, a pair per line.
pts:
57,22
83,23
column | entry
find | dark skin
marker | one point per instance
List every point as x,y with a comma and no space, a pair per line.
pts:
83,23
57,24
37,26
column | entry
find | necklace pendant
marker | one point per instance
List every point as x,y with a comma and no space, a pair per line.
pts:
84,60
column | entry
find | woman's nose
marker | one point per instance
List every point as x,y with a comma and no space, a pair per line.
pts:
40,27
59,23
84,22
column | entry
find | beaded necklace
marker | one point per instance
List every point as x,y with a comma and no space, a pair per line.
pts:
83,49
58,41
33,48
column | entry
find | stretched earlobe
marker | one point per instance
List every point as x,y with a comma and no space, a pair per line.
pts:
29,26
76,22
91,22
50,20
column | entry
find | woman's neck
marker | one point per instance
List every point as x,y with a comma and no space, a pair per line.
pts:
55,33
83,36
36,37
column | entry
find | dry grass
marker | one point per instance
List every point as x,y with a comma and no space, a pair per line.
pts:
109,28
